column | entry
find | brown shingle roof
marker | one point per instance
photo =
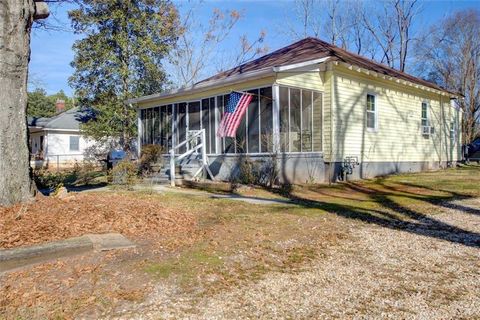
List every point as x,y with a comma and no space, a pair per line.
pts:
313,48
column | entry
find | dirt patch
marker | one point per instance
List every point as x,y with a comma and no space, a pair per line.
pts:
140,218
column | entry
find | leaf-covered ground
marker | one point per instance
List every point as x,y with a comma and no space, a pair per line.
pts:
404,246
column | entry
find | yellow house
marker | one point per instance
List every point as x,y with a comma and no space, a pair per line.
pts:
320,112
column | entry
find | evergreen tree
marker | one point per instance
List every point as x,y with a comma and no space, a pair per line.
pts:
40,104
120,57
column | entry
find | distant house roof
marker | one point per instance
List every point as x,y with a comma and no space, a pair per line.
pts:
67,120
312,48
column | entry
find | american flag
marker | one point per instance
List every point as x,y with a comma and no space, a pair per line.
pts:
234,111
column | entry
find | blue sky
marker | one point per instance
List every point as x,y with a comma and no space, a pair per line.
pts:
52,50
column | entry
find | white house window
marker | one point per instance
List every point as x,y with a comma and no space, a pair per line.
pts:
371,112
74,143
424,114
453,131
300,120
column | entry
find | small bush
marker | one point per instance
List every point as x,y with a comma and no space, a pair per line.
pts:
123,174
151,154
87,172
45,179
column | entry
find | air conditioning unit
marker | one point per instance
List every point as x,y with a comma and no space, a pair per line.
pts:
426,130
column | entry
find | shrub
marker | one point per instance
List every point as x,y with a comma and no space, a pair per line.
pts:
86,172
151,154
123,174
45,179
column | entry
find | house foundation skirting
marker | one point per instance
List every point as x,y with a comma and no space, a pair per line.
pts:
368,170
300,168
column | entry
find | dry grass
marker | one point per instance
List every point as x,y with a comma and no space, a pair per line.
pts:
404,246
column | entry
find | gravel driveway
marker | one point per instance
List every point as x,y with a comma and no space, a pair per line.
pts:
378,272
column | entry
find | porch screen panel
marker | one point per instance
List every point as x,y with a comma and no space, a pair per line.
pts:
149,126
143,122
241,143
307,113
317,122
163,119
295,121
266,120
206,122
211,120
253,117
181,125
284,120
194,115
229,143
168,126
156,126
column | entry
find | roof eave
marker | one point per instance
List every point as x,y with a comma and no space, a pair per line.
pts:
202,86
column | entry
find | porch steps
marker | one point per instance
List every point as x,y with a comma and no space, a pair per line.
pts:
188,167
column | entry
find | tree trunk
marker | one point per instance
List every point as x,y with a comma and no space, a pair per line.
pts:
16,18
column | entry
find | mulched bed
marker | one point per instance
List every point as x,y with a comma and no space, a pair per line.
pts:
49,219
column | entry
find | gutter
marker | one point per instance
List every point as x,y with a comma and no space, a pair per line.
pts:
202,86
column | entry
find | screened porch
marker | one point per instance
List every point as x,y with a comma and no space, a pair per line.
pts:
278,119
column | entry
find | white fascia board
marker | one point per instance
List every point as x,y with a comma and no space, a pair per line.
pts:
66,130
252,75
300,65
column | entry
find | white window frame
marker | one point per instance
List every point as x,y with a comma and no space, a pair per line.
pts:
375,112
427,113
70,143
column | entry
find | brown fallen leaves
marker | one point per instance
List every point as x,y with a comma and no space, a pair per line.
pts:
49,219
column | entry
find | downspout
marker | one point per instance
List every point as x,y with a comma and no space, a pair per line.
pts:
442,127
332,87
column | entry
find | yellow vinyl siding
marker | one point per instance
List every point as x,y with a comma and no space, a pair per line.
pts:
306,80
399,136
268,81
327,106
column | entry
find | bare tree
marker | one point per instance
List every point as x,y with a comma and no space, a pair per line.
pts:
306,14
406,11
16,20
199,45
450,56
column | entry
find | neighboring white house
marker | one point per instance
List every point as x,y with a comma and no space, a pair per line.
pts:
323,111
57,142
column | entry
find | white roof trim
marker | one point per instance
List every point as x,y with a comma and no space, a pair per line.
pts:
205,85
300,64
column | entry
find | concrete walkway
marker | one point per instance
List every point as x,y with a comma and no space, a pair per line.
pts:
161,188
19,257
252,200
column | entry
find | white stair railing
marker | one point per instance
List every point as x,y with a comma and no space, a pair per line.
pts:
195,140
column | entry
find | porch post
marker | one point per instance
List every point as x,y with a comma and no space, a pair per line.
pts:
139,132
276,118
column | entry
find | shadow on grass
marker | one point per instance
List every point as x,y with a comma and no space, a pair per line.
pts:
390,214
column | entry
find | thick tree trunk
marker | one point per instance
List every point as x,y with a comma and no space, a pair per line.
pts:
16,18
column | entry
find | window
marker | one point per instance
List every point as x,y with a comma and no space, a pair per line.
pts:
74,143
424,114
300,120
371,113
453,131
